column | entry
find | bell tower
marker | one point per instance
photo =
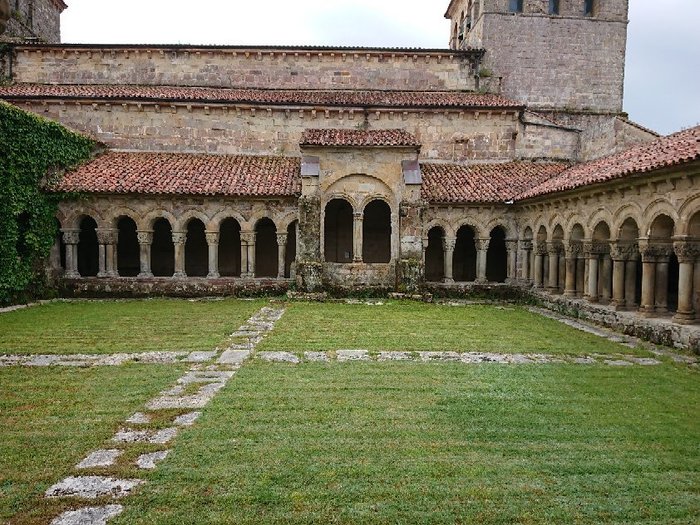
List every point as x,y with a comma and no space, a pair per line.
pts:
563,56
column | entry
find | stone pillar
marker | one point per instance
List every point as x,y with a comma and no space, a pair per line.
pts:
580,275
592,273
661,285
71,238
618,282
696,288
606,277
648,279
213,245
357,222
281,254
145,238
246,239
571,257
561,276
512,268
448,248
553,283
539,264
631,282
687,254
179,240
482,247
105,239
525,250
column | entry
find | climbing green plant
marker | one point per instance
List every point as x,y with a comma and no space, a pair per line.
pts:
33,152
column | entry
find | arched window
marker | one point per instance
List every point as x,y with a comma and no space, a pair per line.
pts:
196,248
464,259
162,249
230,248
290,253
88,249
337,231
497,256
435,256
266,248
376,233
128,257
515,6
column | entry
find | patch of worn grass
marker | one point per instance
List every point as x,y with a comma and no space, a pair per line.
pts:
410,326
122,326
371,443
51,418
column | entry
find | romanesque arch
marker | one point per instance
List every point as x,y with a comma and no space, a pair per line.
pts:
338,231
88,248
162,248
266,249
464,258
435,255
376,232
128,251
497,256
290,253
229,248
196,249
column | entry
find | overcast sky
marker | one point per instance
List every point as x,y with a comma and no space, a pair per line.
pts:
663,50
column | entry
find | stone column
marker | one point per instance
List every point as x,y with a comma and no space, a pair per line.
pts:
448,248
539,264
71,238
592,273
512,268
553,251
571,256
618,282
525,250
105,239
357,222
661,285
213,245
281,254
424,250
696,288
482,247
580,274
631,282
145,238
648,279
606,277
179,240
561,277
246,240
687,254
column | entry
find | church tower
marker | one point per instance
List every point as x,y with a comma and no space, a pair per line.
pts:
559,56
31,20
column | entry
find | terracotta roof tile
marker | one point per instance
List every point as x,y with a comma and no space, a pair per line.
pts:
185,174
358,138
404,99
664,152
457,183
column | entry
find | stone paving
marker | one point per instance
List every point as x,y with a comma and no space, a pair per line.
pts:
206,376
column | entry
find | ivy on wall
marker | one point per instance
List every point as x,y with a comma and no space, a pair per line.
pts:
33,152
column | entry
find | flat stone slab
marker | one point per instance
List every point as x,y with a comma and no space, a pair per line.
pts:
200,357
316,356
139,418
439,356
205,376
88,515
234,357
395,356
352,355
186,420
89,360
100,458
150,461
617,362
644,361
91,487
278,357
159,437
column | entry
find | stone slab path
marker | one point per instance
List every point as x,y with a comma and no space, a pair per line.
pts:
208,374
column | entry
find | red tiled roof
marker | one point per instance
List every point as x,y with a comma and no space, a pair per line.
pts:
664,152
358,138
185,174
280,97
457,183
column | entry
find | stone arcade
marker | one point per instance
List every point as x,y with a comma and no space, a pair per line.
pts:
504,159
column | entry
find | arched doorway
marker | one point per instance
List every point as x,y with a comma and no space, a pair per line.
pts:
290,253
435,256
266,249
376,233
88,248
497,256
162,249
128,251
666,264
337,231
464,259
196,250
230,248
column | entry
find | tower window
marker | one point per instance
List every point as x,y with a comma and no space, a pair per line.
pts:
516,6
588,7
553,7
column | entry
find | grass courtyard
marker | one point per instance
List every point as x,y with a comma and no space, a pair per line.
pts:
357,443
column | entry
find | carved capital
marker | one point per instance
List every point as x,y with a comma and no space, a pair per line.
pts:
144,237
358,216
554,248
511,245
574,249
687,252
281,239
71,236
623,251
248,237
449,243
212,237
106,236
482,245
526,246
541,248
179,237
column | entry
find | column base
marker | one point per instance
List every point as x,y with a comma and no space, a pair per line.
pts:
102,275
213,275
684,318
179,275
144,275
570,293
481,281
647,311
71,275
661,309
448,281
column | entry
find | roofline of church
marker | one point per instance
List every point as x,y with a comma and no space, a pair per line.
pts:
280,48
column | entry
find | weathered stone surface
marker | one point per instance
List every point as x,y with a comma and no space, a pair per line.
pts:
395,356
316,356
139,418
85,360
186,420
617,362
352,355
91,487
234,357
200,357
278,357
145,436
439,356
100,458
88,515
205,377
150,461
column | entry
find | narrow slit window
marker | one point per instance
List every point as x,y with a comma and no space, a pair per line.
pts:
516,6
553,7
588,7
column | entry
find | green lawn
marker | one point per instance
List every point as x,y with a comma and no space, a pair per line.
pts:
410,326
50,418
368,443
122,326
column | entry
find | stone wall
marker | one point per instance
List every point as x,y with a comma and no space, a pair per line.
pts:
543,139
445,135
262,67
35,19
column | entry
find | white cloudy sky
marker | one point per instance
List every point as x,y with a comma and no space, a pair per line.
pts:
663,52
